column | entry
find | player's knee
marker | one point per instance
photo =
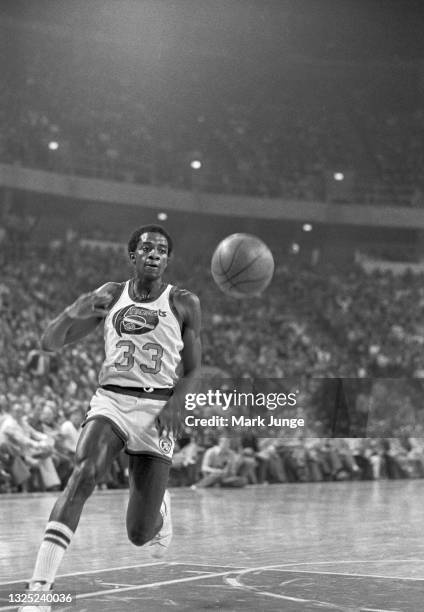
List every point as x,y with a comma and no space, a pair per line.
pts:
140,534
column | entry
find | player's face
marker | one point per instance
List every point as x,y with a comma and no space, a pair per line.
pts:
151,255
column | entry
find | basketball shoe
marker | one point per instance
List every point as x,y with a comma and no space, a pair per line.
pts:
160,543
37,586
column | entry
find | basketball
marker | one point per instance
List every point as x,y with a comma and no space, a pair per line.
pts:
242,265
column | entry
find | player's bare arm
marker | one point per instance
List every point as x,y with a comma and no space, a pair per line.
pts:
79,318
188,308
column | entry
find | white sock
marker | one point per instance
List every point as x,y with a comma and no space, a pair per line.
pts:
57,538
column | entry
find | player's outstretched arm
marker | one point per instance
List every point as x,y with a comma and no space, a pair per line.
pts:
80,318
188,308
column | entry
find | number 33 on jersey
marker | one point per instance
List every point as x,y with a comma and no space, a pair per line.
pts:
142,342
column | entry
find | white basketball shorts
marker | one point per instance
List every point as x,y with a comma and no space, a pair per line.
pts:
133,420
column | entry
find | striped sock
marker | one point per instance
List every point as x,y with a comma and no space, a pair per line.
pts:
57,538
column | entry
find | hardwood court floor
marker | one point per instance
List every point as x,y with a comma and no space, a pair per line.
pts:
292,548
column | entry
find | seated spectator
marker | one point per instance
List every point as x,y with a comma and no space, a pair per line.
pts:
221,466
415,456
70,430
293,462
359,448
248,465
5,464
313,463
347,459
16,442
395,458
270,465
45,456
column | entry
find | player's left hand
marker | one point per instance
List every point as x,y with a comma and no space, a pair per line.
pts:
169,421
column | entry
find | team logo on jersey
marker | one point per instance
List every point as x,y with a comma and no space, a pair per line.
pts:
135,320
165,444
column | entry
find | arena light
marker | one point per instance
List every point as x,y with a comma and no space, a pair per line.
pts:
307,227
196,164
53,145
162,216
295,248
338,176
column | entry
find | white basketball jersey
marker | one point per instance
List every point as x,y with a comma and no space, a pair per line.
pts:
142,342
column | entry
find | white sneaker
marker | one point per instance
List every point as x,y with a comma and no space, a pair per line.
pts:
159,544
37,586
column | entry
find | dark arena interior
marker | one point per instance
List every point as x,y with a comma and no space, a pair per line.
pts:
300,122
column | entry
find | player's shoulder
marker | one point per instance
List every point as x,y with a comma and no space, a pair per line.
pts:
111,290
186,307
111,287
185,298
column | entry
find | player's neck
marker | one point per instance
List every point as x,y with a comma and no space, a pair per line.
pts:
146,289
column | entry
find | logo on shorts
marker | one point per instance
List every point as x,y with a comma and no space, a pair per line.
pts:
165,445
135,320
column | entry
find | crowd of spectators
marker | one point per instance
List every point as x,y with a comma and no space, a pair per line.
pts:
75,111
312,324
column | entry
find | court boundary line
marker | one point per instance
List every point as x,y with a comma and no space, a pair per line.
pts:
108,569
156,584
138,587
270,567
293,571
235,583
236,567
281,567
238,572
123,567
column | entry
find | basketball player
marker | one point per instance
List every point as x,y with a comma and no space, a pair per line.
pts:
151,329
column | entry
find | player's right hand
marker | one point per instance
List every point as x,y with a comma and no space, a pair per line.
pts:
88,305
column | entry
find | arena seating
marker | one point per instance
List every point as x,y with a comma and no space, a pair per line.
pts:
328,325
59,114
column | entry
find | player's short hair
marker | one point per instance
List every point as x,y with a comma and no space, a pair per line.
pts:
158,229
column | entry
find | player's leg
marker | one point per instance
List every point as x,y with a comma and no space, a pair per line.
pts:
148,506
97,447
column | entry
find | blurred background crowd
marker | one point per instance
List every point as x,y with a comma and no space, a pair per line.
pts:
363,328
91,110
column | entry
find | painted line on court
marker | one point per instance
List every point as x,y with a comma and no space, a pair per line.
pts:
347,561
270,567
116,584
240,572
214,575
377,610
150,585
315,602
344,562
95,571
350,574
124,567
256,591
235,567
